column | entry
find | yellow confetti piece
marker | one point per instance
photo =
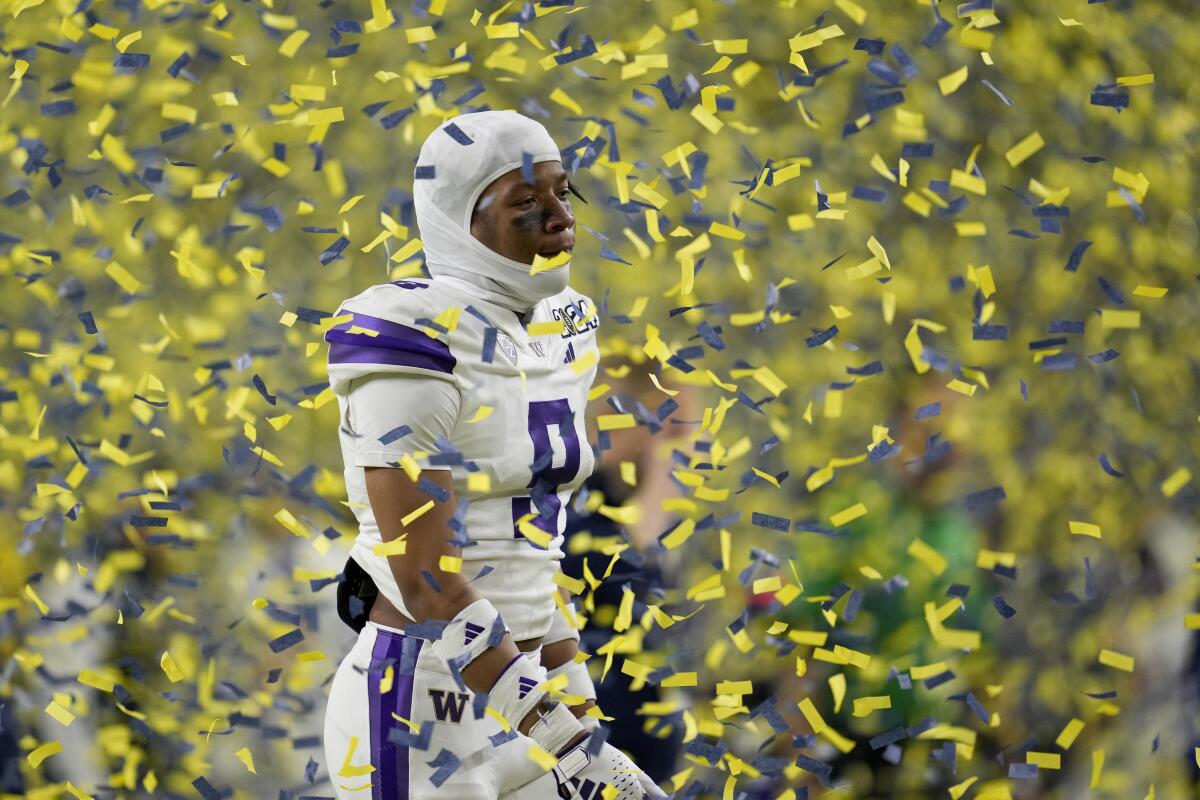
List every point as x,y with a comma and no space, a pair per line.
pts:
416,514
865,706
1136,80
679,679
89,678
551,328
122,277
1024,149
37,601
41,753
848,515
60,714
1085,529
533,533
1069,734
1120,318
1044,760
1149,291
347,770
247,759
934,561
538,756
962,387
173,673
613,422
764,585
948,84
1097,767
564,100
1111,658
1177,480
481,413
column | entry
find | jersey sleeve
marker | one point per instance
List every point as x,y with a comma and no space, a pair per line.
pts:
391,415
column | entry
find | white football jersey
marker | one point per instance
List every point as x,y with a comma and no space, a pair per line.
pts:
426,369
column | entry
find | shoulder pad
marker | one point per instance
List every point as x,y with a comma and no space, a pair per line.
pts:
387,332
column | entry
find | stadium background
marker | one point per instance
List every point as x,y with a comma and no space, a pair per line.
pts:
816,220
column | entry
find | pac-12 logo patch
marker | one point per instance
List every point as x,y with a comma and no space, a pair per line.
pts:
507,345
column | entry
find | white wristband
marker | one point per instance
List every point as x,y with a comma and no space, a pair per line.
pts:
555,729
465,638
516,691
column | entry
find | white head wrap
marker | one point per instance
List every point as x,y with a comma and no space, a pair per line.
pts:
465,154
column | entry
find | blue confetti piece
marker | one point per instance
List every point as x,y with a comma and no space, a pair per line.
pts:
908,67
262,389
873,368
334,250
929,410
457,134
89,322
278,645
433,490
271,218
984,497
447,764
990,333
424,173
770,521
935,34
1107,466
206,789
132,60
606,252
1060,362
1066,326
527,167
821,338
1024,390
710,336
403,736
1005,611
501,737
428,576
1111,290
430,630
1077,256
1117,100
394,434
486,570
818,768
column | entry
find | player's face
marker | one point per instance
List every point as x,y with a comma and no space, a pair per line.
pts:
519,220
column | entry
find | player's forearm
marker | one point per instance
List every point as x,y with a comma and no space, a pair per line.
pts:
426,604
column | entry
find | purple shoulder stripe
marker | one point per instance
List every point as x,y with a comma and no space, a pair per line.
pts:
394,344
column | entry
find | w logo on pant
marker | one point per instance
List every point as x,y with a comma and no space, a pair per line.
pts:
525,686
472,633
448,705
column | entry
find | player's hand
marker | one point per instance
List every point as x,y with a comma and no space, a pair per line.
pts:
583,776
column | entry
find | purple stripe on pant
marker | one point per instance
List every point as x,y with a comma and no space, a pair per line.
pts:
390,779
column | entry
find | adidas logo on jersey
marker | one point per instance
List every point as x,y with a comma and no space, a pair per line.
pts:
525,686
472,632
